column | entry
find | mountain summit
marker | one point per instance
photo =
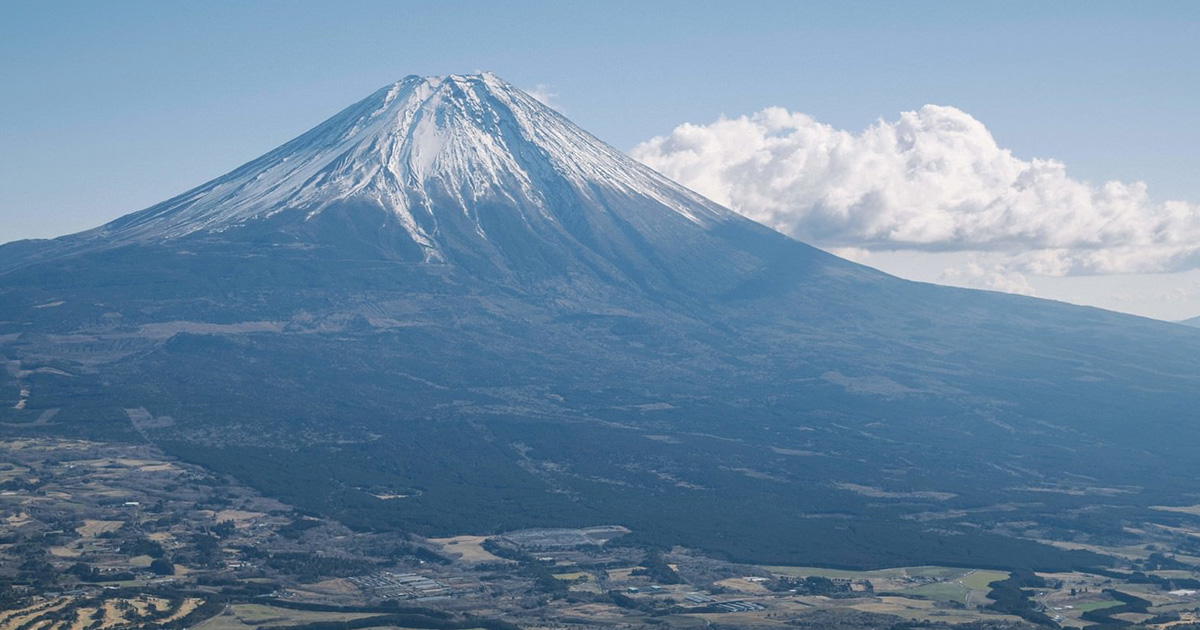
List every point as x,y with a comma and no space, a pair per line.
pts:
466,173
456,162
450,293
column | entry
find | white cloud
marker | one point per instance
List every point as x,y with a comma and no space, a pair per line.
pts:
934,180
543,93
994,276
857,254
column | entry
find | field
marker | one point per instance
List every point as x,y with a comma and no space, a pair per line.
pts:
249,616
741,585
1107,603
933,582
93,528
983,579
909,589
240,518
935,572
942,592
575,575
468,548
244,616
919,609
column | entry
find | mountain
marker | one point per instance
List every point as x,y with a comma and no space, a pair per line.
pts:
464,171
451,294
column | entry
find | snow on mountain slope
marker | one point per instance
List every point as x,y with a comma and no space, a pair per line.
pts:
455,140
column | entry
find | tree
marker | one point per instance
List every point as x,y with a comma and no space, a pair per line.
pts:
162,566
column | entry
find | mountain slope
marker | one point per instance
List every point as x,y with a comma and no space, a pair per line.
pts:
454,142
450,292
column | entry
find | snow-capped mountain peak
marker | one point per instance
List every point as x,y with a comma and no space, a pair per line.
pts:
421,148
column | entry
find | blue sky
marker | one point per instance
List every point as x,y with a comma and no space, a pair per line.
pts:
106,108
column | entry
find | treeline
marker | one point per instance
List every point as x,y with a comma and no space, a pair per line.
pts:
1138,577
814,585
543,578
1009,597
298,526
1106,617
87,573
307,566
426,554
655,567
143,547
205,611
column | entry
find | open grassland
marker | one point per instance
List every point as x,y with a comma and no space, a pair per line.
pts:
741,585
964,587
92,528
468,548
942,592
571,577
240,518
983,579
906,609
246,616
1097,605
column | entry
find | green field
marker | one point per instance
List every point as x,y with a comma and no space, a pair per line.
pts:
1087,606
982,580
570,577
959,588
942,592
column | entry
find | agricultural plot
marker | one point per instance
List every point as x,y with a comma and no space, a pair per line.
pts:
942,592
574,576
468,548
93,528
1097,605
254,615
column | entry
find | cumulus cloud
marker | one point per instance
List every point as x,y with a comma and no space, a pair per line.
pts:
994,276
934,180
